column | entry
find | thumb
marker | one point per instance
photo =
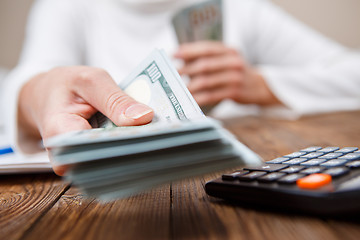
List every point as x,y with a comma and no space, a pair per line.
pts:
123,110
99,90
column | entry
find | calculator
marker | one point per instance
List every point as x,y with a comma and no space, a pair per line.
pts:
315,180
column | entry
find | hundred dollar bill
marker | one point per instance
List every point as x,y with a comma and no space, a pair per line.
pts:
156,83
202,21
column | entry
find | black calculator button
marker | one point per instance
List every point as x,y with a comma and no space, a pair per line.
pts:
267,167
278,160
233,176
310,149
271,177
348,149
311,170
295,161
313,155
334,163
337,171
295,154
313,162
329,149
353,164
292,169
251,176
350,184
332,155
351,156
291,178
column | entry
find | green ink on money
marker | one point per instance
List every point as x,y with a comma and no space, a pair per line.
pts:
153,72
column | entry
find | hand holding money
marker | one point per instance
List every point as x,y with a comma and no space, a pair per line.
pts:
219,72
111,162
216,71
200,22
63,100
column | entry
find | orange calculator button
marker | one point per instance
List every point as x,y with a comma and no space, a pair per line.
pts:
314,181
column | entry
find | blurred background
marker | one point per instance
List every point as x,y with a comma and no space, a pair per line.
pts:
337,19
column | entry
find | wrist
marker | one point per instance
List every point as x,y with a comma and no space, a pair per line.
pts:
25,120
266,96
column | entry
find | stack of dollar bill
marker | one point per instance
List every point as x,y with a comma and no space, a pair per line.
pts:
111,162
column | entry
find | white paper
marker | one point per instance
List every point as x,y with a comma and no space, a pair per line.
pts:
12,163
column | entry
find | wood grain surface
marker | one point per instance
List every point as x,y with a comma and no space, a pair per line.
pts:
24,199
44,207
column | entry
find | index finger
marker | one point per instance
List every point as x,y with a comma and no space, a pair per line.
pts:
190,51
97,88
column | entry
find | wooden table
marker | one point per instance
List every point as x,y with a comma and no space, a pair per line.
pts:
45,207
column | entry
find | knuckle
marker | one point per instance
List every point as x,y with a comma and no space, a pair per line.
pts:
204,98
56,71
232,51
235,77
202,82
116,101
237,62
233,93
203,66
206,46
88,75
212,45
209,97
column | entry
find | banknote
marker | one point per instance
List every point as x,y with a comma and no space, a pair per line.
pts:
156,83
202,21
110,162
113,146
127,175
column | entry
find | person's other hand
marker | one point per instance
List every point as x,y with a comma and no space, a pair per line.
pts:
63,99
218,72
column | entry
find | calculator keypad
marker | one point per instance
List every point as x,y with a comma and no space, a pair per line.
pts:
292,169
337,171
354,164
267,167
301,167
252,175
271,177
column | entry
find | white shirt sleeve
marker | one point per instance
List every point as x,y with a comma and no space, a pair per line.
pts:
308,72
51,41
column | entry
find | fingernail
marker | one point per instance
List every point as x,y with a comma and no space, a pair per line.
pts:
136,111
